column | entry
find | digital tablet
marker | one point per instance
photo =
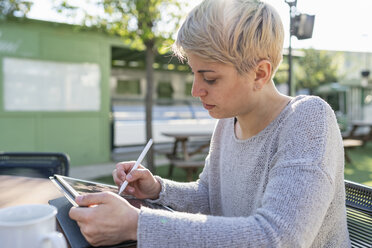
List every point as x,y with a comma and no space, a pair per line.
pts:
72,187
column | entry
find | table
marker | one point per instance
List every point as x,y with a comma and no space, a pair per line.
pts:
355,125
350,144
15,190
184,159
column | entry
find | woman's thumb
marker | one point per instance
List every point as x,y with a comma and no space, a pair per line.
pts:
90,199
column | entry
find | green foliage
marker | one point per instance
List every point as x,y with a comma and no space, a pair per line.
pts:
281,75
140,23
17,8
316,68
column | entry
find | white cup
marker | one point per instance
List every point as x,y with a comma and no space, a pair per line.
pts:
32,226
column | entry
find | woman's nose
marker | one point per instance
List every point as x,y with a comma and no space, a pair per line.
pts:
197,89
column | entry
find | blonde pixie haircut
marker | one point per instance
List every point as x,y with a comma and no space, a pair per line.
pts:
236,32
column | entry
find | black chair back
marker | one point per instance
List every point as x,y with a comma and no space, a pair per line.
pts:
358,196
34,164
359,214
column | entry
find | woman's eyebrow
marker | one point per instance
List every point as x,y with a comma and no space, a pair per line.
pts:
202,71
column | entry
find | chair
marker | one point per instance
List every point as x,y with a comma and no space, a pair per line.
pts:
359,214
34,164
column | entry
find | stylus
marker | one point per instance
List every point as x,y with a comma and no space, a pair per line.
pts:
139,160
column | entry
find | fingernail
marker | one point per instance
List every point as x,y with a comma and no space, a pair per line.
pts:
129,176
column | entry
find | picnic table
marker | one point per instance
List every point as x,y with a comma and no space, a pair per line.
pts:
186,158
350,144
355,132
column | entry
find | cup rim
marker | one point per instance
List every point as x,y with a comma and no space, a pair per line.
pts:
28,222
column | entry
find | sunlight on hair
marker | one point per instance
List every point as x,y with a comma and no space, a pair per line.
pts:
236,32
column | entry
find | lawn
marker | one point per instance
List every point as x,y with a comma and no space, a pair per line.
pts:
359,170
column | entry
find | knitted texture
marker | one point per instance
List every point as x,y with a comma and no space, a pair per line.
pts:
283,187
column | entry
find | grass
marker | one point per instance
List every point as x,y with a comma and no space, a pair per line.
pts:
359,170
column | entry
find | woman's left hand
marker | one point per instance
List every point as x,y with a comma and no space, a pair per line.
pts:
105,218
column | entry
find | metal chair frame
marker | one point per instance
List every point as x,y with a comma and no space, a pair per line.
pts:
359,214
34,164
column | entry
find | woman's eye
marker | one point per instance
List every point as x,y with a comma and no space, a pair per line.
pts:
209,81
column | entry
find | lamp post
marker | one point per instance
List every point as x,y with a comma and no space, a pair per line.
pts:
301,26
365,73
292,11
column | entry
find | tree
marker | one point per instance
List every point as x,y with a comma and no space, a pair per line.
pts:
139,23
315,68
10,8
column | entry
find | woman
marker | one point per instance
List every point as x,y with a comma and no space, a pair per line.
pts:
274,173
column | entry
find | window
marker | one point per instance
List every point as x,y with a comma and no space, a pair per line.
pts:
188,88
128,87
36,85
164,90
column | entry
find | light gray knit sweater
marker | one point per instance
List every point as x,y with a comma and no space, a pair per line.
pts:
283,187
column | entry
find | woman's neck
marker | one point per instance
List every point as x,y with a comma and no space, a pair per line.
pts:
265,112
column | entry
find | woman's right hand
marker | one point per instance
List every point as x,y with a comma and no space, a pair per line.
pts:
141,183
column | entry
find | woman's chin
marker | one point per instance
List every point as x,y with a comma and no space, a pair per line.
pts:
216,115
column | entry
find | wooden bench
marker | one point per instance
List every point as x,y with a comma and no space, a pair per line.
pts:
187,159
356,131
190,166
350,144
359,214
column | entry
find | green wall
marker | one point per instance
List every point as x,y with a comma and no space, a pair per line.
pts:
84,135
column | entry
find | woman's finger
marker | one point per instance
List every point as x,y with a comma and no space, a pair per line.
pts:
124,166
118,181
129,190
119,174
137,174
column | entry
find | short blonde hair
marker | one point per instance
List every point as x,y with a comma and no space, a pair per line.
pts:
236,32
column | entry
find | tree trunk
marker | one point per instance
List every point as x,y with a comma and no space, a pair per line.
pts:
150,54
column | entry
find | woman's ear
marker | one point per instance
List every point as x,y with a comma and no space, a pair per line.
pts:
263,73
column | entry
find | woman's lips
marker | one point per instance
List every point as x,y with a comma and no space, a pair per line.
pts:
208,106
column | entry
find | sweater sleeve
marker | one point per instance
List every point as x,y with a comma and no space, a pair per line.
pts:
278,223
186,197
299,190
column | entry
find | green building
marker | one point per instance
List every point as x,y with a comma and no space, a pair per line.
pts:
54,90
58,83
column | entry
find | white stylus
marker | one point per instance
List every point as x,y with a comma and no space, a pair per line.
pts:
139,160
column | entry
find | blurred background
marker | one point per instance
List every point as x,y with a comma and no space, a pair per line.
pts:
96,79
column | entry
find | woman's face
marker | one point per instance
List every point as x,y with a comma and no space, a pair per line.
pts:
222,90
